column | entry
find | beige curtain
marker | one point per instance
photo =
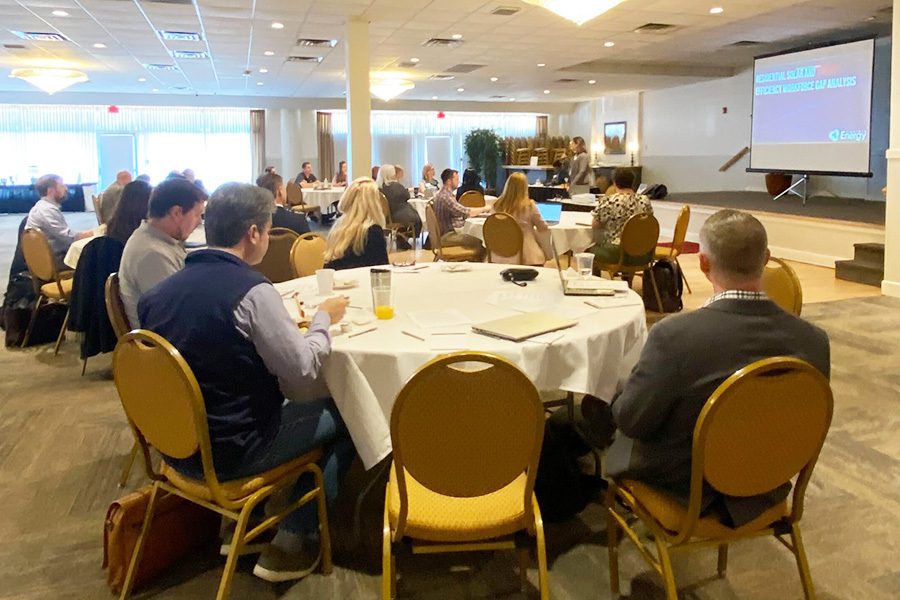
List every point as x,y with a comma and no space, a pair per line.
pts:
326,145
540,129
258,133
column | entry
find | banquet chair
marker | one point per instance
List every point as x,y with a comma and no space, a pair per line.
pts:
95,199
761,428
308,254
523,156
442,496
472,199
50,284
118,318
449,253
781,284
543,156
637,247
560,154
276,264
405,230
294,200
503,236
170,415
672,252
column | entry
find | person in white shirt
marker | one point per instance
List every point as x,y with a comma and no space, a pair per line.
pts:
47,217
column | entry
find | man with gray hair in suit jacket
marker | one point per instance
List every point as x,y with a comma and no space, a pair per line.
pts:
688,356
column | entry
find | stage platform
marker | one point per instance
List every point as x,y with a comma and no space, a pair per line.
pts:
819,233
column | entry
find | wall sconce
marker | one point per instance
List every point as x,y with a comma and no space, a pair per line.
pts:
632,148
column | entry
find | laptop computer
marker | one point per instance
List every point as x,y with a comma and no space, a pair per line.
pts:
551,213
583,287
524,326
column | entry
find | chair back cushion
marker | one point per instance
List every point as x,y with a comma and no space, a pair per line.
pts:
472,199
293,194
467,424
276,264
782,285
762,426
502,235
308,254
640,235
115,308
681,227
159,393
38,255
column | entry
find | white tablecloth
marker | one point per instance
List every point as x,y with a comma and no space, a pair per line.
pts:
198,237
572,233
322,198
364,374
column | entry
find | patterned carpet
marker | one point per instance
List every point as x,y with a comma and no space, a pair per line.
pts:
63,439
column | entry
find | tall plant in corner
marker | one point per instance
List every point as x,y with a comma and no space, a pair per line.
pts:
483,149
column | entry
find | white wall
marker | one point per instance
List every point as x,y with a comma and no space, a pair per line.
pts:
588,118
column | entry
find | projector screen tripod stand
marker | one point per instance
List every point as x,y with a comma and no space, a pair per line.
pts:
804,180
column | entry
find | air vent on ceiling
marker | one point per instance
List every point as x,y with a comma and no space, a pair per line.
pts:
304,59
189,54
566,80
441,77
167,2
38,36
442,43
656,28
14,46
160,67
744,44
316,43
408,65
505,11
463,68
180,36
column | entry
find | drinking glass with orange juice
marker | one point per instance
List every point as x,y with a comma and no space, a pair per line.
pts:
382,294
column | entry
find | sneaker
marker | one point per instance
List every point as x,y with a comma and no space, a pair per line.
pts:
258,544
276,565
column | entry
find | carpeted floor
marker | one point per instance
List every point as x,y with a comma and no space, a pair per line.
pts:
63,439
820,207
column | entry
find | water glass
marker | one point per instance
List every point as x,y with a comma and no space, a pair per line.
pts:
585,264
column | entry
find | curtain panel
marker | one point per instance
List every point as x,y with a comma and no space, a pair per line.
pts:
326,145
541,126
258,133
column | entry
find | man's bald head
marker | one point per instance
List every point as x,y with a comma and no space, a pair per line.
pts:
123,177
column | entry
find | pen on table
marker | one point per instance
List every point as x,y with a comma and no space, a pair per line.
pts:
592,304
412,335
369,330
299,305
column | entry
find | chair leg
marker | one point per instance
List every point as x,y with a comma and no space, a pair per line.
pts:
237,543
524,560
62,332
683,277
570,406
543,577
139,545
388,563
665,563
612,542
656,292
37,307
723,559
129,462
84,366
802,565
324,531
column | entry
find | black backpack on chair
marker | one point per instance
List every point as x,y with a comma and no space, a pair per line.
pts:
668,280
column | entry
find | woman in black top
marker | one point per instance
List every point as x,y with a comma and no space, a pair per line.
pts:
471,182
398,198
357,237
130,212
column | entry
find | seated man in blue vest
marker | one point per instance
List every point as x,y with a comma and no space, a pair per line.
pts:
248,355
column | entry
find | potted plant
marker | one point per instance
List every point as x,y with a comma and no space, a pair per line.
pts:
483,148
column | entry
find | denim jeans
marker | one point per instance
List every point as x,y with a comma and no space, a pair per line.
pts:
305,426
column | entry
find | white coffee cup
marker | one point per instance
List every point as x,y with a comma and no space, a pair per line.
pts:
325,279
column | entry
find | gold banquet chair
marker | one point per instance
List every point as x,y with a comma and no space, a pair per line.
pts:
442,496
761,428
503,236
308,254
170,415
781,284
50,284
406,230
276,264
637,247
95,200
294,200
472,199
448,253
674,251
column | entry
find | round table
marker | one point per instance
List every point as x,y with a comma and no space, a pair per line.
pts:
364,373
323,198
195,240
420,203
573,233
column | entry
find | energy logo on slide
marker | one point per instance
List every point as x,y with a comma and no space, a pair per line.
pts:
840,135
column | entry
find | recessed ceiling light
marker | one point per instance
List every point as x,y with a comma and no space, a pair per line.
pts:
546,91
99,45
414,60
609,44
277,25
259,83
494,78
155,90
142,79
456,36
269,53
264,70
542,64
434,97
460,89
592,81
716,10
60,13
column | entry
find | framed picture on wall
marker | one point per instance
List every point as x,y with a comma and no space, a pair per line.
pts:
614,137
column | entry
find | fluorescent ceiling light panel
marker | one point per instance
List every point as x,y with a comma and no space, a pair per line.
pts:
577,11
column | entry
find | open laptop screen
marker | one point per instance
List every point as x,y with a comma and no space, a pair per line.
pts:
550,212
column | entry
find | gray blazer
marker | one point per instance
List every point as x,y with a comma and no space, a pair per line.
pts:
580,170
685,359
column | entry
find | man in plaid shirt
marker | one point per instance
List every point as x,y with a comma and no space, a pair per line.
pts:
451,215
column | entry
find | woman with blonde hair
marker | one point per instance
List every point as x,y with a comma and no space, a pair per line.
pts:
428,178
357,237
515,201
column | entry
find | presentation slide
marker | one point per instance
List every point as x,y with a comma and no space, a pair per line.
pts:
812,110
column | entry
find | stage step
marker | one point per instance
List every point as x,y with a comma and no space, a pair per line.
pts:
867,266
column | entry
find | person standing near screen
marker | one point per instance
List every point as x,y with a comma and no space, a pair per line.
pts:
580,169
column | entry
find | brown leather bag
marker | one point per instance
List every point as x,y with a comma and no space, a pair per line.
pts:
179,527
